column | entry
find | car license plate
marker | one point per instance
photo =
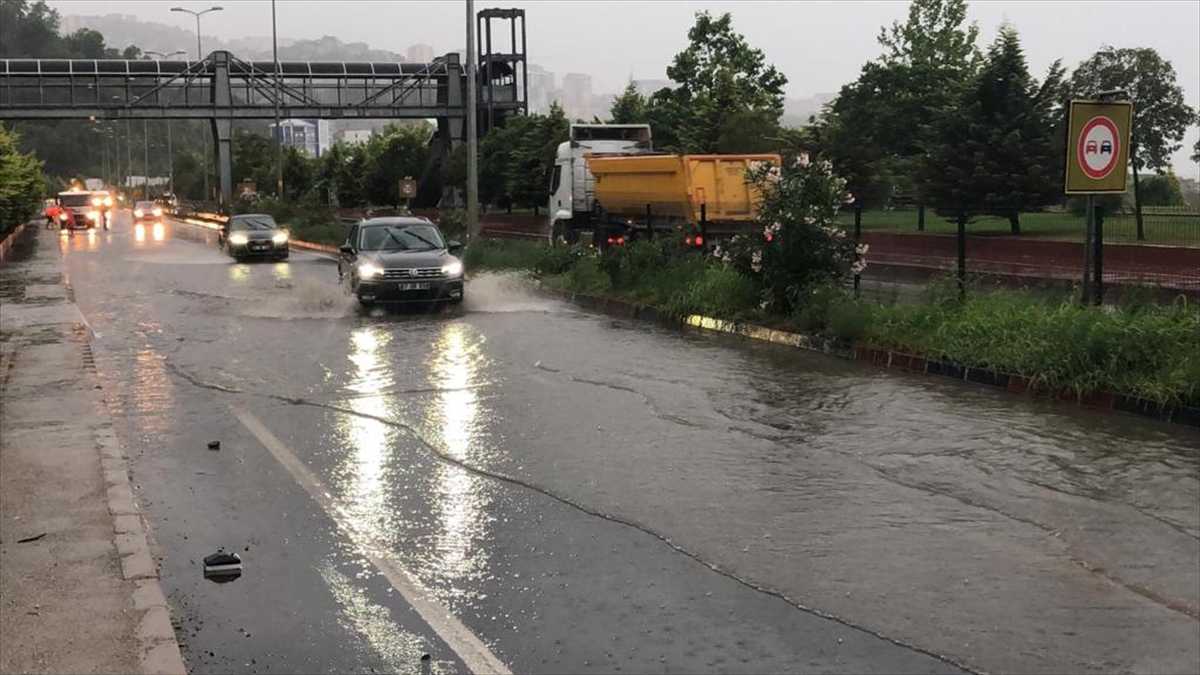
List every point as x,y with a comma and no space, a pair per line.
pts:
414,286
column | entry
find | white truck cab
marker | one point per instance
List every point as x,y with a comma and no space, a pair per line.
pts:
571,191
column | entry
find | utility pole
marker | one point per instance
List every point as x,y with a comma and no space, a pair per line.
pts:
278,135
170,145
472,126
200,57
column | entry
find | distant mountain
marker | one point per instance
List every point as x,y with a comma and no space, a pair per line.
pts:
121,30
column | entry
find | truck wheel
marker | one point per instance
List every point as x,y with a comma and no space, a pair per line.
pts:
561,232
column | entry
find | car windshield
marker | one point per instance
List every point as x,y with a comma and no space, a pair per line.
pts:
75,199
145,206
401,237
253,223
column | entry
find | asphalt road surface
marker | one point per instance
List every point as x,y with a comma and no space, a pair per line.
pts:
518,485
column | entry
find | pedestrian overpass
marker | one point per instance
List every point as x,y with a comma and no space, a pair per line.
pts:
222,88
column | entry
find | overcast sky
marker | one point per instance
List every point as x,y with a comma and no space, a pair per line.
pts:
818,45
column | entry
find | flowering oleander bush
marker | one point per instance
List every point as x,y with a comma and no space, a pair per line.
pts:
799,245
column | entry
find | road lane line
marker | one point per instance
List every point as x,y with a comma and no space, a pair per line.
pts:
465,644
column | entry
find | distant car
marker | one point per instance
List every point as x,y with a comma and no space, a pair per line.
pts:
400,260
253,235
147,211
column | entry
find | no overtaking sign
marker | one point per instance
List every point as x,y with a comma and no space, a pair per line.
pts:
1097,147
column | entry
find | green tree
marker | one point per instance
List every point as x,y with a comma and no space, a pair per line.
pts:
397,153
629,108
1005,123
874,130
254,160
30,30
21,182
1160,115
720,78
299,173
1163,190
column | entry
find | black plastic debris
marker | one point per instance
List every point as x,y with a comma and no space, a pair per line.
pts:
214,445
222,566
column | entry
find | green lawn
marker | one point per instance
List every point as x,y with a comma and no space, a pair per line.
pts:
1166,226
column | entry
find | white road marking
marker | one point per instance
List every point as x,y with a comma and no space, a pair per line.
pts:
465,644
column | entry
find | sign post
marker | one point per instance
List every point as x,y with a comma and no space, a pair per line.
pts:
1097,157
408,190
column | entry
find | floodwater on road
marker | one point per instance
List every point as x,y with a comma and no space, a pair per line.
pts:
583,492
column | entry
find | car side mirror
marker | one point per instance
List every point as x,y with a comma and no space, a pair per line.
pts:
347,249
454,246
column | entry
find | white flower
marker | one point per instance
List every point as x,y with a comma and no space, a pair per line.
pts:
861,249
776,227
802,159
763,305
717,252
858,266
756,261
849,198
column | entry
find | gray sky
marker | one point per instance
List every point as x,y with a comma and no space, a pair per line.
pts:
818,45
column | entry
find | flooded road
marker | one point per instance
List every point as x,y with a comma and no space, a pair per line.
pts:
588,494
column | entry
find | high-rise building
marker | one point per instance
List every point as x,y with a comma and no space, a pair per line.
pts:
541,89
419,54
576,96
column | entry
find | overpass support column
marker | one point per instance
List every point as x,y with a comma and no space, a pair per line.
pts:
223,133
222,100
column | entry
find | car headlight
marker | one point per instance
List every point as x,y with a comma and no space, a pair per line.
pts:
368,271
63,216
93,215
158,212
96,201
108,201
238,239
279,237
452,269
138,213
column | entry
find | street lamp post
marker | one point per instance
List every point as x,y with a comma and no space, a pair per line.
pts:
199,57
170,145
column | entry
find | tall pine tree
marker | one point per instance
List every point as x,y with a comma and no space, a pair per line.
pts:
996,150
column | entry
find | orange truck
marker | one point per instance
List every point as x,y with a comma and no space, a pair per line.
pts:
610,183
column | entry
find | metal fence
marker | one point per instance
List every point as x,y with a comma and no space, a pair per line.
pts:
1048,249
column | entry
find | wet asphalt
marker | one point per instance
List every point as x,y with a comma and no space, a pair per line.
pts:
587,494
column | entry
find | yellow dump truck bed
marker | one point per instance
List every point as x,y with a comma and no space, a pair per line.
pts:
675,186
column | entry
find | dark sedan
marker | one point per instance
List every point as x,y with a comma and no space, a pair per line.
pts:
254,235
400,260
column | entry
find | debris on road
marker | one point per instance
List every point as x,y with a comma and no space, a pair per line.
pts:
214,445
222,565
27,540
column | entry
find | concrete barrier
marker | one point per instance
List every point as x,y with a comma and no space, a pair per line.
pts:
10,239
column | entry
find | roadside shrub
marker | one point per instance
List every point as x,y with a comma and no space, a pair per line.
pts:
500,254
714,290
800,245
556,259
